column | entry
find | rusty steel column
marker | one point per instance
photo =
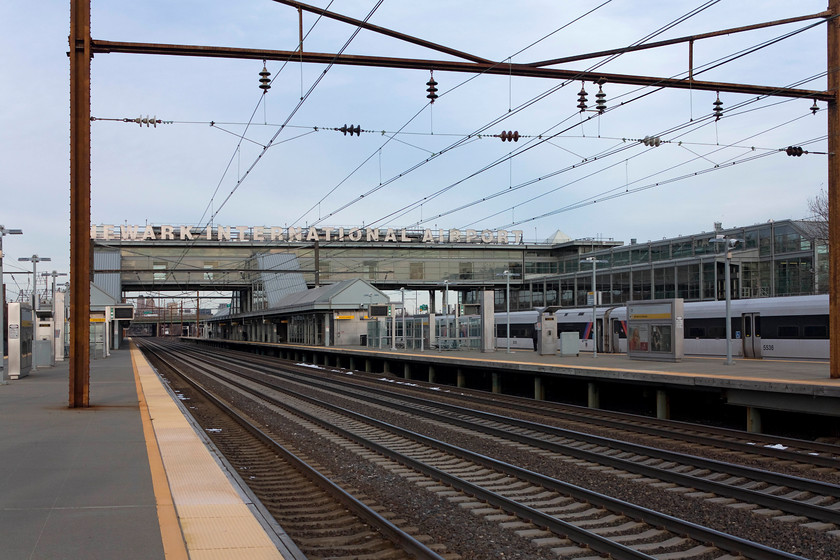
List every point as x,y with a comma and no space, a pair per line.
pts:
80,55
833,42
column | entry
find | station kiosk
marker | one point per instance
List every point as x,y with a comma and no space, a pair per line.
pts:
43,346
21,334
547,334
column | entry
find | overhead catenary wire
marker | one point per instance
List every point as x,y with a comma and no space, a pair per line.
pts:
425,199
215,212
449,148
600,156
611,194
600,197
517,152
295,110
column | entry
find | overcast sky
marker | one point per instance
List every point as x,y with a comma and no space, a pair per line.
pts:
187,172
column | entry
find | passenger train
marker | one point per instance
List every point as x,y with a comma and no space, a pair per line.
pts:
780,327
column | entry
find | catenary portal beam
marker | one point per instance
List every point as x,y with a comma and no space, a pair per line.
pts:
499,68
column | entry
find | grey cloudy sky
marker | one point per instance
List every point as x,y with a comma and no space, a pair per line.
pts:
186,172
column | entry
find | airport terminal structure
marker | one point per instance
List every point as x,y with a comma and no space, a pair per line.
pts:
262,266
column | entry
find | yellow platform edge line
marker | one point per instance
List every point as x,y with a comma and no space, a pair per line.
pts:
172,537
213,518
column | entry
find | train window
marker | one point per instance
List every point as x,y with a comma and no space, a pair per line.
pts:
793,326
579,328
787,331
815,331
517,330
706,328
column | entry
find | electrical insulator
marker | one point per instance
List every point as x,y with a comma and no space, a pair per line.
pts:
718,108
265,81
582,99
794,151
652,141
815,107
154,121
508,136
351,129
432,89
601,100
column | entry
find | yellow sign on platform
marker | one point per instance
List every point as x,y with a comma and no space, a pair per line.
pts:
345,316
97,319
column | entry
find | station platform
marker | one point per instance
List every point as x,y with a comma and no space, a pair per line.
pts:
130,477
786,386
804,376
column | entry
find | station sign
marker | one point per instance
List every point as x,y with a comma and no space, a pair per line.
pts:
276,234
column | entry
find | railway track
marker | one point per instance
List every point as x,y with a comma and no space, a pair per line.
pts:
571,521
323,520
774,452
812,503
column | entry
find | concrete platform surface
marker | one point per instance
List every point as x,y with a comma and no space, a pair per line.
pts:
75,483
129,478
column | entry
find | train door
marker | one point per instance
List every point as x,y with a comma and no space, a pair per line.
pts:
601,333
751,335
612,333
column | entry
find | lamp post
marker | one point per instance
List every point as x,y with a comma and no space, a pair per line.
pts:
729,245
402,311
369,295
445,310
54,274
594,262
35,259
507,274
3,232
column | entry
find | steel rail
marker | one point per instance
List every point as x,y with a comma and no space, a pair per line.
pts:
596,542
644,427
376,521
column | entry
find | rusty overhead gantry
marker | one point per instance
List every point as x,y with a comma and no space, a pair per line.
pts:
83,47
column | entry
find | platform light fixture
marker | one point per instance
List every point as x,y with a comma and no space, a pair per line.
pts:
54,274
729,244
34,259
595,263
3,232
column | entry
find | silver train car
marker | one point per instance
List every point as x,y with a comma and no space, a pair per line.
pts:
782,327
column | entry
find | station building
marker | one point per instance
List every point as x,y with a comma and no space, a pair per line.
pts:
262,266
781,258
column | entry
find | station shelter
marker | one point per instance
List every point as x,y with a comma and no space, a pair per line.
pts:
333,315
108,320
